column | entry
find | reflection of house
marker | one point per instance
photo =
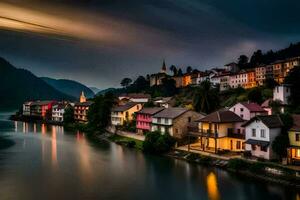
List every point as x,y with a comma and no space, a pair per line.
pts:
26,108
41,109
174,121
261,131
144,119
156,79
247,110
58,111
294,137
120,114
165,102
219,131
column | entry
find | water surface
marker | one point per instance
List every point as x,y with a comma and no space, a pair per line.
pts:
47,162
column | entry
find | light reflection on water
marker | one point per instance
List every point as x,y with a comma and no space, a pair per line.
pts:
49,163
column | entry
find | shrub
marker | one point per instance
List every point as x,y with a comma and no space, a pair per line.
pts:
247,154
237,164
131,144
257,167
157,143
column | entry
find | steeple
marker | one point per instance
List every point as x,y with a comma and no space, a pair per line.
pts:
164,67
82,98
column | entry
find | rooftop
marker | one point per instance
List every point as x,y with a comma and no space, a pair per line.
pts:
124,107
222,116
150,111
271,121
40,103
87,103
171,113
253,107
296,121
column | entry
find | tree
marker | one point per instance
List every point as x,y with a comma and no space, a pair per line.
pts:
158,143
270,83
243,61
126,82
174,70
179,73
276,106
256,58
206,98
168,87
255,95
293,80
99,112
281,142
189,69
139,85
69,115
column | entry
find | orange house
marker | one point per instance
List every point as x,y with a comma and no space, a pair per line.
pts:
186,80
251,81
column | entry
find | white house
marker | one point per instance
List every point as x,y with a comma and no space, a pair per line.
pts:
58,111
248,110
26,108
238,80
261,131
282,93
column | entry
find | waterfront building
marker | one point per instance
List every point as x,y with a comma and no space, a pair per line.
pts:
144,119
26,108
219,131
58,110
120,114
261,131
41,109
247,110
174,121
293,151
81,110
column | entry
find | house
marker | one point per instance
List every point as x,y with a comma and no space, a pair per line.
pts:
41,109
156,79
174,121
26,108
178,81
238,80
293,152
247,110
224,82
134,97
144,119
251,79
219,131
186,79
266,106
232,67
120,114
164,102
81,110
281,68
282,93
260,75
261,131
58,110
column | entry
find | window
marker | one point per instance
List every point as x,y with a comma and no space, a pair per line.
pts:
242,109
253,132
238,144
297,137
242,116
176,131
298,153
189,119
264,148
158,120
263,133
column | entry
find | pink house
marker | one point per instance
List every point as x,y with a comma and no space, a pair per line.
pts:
144,119
248,110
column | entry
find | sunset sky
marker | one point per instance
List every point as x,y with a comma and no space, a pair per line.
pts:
98,42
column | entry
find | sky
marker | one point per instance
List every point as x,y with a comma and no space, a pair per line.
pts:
99,42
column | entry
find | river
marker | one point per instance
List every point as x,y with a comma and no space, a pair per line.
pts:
46,162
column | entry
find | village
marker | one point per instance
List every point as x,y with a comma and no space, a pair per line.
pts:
245,130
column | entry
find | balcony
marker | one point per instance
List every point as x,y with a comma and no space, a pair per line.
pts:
195,131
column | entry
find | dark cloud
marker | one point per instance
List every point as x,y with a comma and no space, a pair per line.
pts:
140,33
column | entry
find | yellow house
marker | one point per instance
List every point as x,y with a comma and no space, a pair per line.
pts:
294,137
120,114
219,131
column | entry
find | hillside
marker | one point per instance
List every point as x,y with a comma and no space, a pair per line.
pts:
95,89
19,85
69,87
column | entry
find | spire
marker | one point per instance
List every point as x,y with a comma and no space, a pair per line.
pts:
164,67
82,98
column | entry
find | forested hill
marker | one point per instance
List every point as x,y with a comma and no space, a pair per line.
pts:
19,85
70,87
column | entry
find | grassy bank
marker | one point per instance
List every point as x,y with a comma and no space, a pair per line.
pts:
125,141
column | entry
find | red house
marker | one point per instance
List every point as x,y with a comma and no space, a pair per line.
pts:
144,119
41,108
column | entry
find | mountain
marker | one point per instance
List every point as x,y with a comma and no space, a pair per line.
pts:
107,90
95,90
69,87
19,85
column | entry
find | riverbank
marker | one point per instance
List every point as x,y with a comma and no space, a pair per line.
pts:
31,119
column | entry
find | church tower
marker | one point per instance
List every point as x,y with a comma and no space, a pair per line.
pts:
164,68
82,98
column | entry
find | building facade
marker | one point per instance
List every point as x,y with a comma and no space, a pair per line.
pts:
293,152
144,119
247,110
121,114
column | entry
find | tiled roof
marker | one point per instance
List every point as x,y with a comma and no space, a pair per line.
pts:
150,111
266,103
40,103
124,107
253,107
171,113
222,116
296,121
271,121
136,95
